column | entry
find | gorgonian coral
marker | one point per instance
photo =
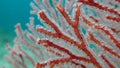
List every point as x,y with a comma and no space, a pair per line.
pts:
72,34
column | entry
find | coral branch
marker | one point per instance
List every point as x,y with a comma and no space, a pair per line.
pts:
92,38
64,13
113,18
94,19
52,62
48,43
41,30
73,24
77,15
107,61
104,29
48,21
94,4
114,30
58,32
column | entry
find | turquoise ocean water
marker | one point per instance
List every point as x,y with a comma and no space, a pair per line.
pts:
11,12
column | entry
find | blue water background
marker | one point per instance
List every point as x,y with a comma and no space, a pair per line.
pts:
11,12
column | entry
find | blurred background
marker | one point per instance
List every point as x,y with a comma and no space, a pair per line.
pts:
11,13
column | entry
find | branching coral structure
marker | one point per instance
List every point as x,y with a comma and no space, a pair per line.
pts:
72,34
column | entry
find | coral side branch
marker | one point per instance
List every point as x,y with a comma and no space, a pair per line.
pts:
94,4
105,29
107,61
52,62
48,43
92,38
113,18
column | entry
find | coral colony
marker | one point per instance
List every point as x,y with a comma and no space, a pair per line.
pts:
71,34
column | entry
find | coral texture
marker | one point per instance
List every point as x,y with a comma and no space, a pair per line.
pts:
71,34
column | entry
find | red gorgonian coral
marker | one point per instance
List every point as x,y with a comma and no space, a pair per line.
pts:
72,34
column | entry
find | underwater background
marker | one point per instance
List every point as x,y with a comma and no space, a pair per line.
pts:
11,13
